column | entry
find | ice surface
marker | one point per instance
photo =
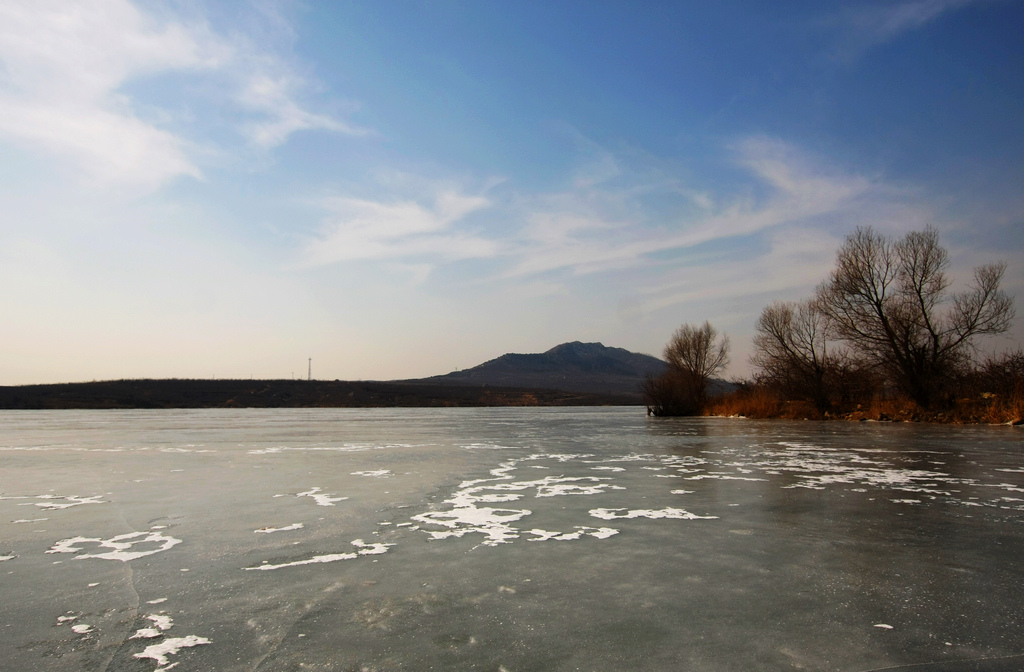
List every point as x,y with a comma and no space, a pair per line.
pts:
504,538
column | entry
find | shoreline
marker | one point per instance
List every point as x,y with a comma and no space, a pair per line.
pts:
847,418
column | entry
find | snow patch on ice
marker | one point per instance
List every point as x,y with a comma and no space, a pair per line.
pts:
581,531
321,500
315,560
146,633
467,516
379,473
344,448
678,514
120,545
161,623
286,528
364,549
553,486
370,549
56,502
169,647
633,457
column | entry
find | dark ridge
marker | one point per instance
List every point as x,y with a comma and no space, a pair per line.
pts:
183,393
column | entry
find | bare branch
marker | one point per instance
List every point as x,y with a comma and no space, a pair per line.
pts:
888,300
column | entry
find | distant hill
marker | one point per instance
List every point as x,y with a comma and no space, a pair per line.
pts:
574,367
178,393
570,374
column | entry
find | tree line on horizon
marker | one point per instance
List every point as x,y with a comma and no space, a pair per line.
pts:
883,331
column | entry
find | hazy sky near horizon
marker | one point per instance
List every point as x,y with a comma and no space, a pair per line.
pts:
401,188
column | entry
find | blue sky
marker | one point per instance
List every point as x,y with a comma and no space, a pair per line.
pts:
399,189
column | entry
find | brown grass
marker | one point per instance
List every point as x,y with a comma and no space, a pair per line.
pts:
988,409
758,402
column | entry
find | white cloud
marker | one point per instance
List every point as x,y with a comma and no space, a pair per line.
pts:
273,97
361,229
65,65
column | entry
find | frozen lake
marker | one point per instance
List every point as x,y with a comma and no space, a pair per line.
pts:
505,539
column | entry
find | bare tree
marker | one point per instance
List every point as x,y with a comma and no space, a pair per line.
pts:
670,394
694,355
792,350
698,353
887,299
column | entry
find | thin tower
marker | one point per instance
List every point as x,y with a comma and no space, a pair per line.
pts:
309,376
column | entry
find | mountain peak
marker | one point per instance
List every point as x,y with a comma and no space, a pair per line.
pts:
573,366
578,347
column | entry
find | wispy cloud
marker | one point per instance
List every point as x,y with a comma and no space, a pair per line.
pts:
273,97
65,66
400,231
63,63
867,26
781,223
618,232
793,259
